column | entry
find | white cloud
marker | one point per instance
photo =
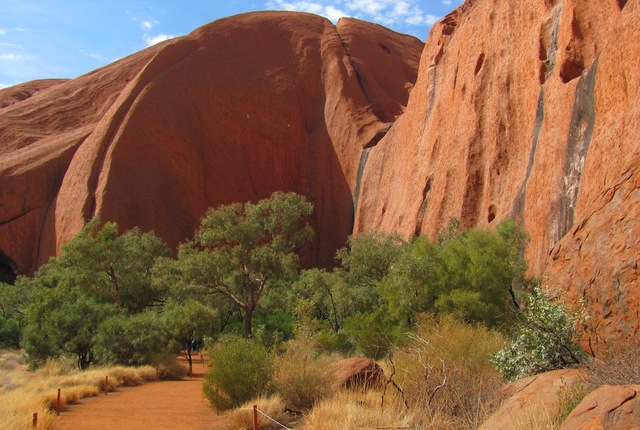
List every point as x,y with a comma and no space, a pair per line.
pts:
398,14
92,55
16,57
329,11
150,41
147,25
3,31
4,86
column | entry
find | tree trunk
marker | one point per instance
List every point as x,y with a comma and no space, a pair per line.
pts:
248,315
189,358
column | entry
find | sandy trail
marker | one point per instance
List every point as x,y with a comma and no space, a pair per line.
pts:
167,405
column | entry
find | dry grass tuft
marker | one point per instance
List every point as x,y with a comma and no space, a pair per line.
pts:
24,392
445,369
273,406
351,410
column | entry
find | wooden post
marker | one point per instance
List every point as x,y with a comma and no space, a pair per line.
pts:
106,384
255,417
58,404
35,420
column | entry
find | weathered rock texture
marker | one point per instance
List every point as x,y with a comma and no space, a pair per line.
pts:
357,374
527,110
608,407
533,399
236,110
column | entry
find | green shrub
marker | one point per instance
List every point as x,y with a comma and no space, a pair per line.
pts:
241,369
133,340
545,340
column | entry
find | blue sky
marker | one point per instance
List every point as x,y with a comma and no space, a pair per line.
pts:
67,38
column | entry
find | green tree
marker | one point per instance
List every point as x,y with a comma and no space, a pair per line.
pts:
241,251
59,322
471,274
111,267
13,299
187,323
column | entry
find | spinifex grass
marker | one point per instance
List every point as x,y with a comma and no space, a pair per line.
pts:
24,392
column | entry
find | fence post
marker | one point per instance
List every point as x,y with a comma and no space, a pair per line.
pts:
106,384
58,404
255,417
35,420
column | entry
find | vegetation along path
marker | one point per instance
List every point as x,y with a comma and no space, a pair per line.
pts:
171,405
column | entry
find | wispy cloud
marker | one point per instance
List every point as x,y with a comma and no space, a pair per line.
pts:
93,55
329,11
386,12
4,86
3,31
16,57
153,40
147,25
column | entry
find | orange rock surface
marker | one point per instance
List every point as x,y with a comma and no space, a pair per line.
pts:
527,110
521,109
607,407
236,110
531,399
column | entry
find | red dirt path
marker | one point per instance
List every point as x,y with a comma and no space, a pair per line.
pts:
173,405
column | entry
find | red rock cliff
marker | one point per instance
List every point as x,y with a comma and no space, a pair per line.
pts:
232,112
528,110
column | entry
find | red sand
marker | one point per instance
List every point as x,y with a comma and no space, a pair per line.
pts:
156,405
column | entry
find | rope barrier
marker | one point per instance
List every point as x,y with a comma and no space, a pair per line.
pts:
268,417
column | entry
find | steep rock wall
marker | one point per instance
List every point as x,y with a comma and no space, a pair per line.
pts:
521,110
232,112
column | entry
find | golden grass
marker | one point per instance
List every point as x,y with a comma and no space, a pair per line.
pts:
24,392
357,410
273,406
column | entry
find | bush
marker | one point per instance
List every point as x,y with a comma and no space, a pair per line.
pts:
372,334
302,378
133,340
546,339
241,369
446,370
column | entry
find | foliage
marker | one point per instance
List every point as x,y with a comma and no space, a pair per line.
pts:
545,340
13,299
112,267
59,322
241,251
372,334
132,340
445,368
186,323
470,274
302,377
241,369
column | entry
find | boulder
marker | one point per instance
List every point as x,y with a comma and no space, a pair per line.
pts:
357,374
607,408
531,398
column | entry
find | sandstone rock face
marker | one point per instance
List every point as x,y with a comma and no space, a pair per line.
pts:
357,373
608,407
525,110
531,397
234,111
